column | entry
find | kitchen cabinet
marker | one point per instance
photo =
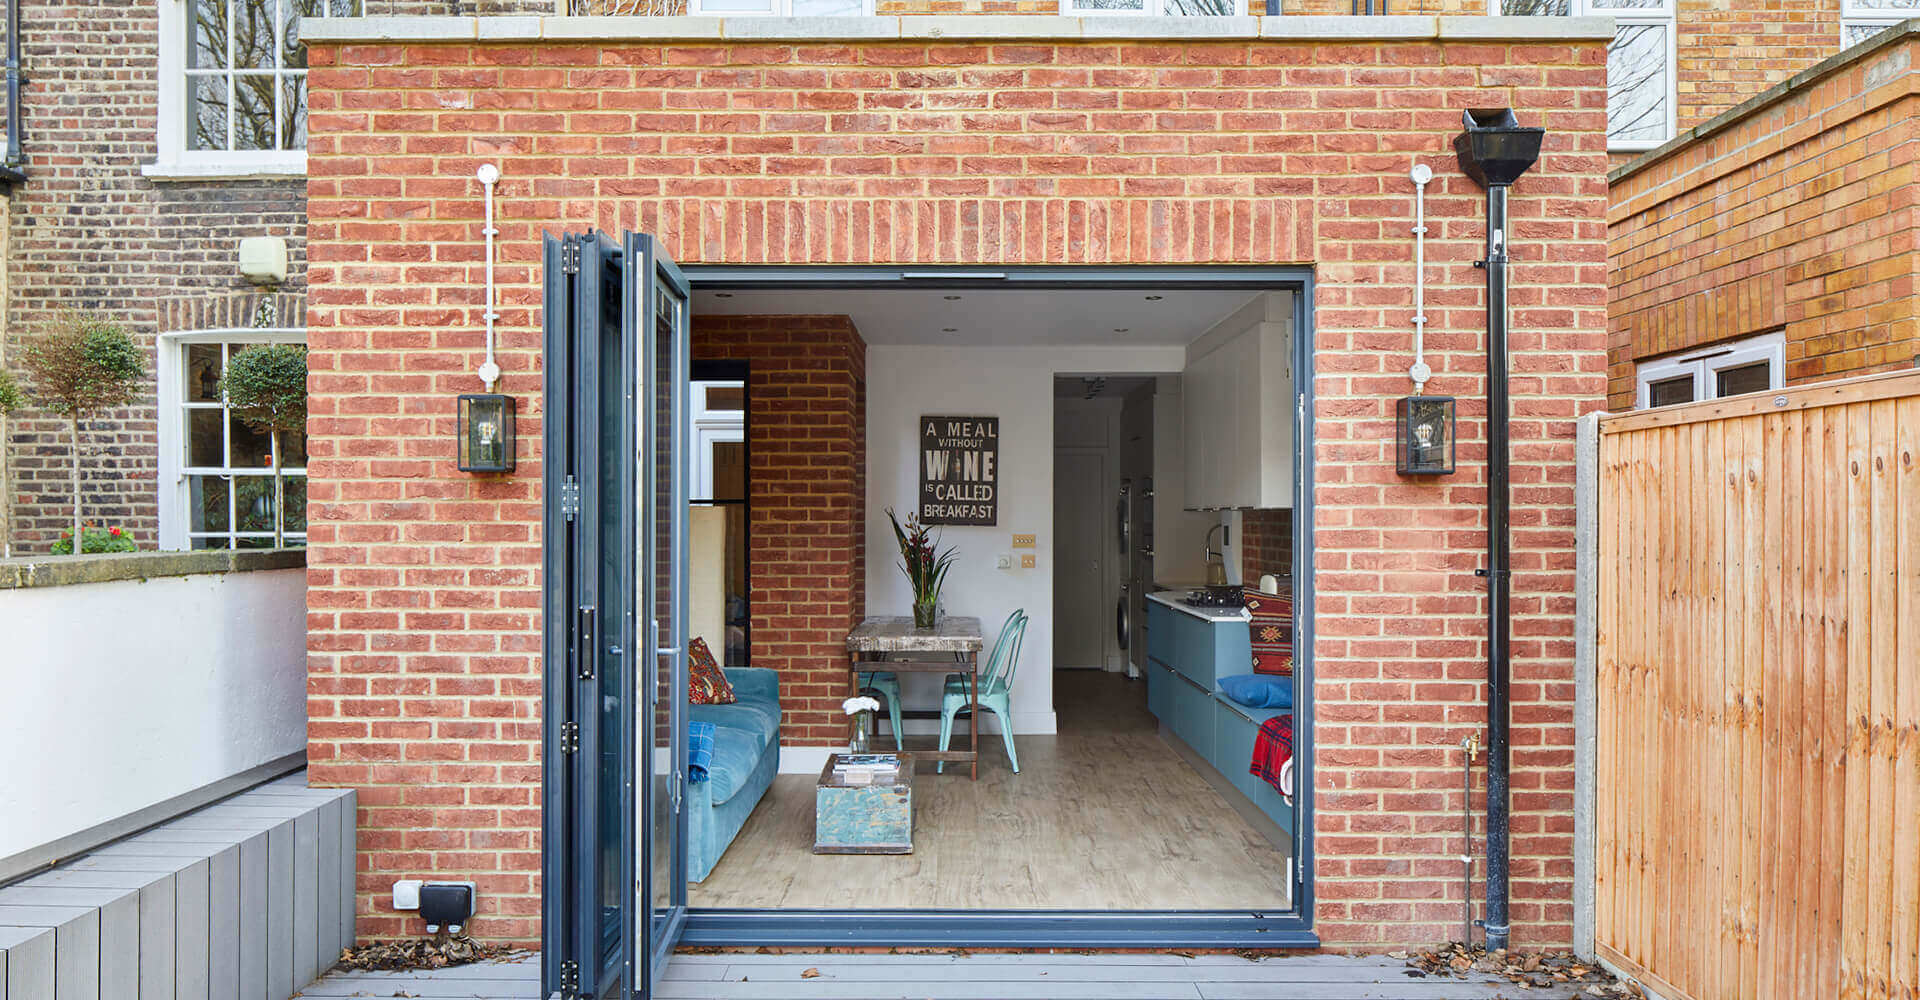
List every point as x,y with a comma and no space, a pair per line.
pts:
1237,396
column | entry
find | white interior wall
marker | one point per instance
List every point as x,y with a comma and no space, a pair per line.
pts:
1016,385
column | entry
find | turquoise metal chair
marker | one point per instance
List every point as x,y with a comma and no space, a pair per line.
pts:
886,684
996,689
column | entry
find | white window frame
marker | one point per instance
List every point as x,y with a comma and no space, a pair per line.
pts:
1864,14
1148,8
1706,362
170,369
775,8
173,160
1663,15
711,427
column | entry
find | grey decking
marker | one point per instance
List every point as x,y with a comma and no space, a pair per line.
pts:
980,976
249,897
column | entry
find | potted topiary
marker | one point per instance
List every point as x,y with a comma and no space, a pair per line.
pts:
266,388
81,364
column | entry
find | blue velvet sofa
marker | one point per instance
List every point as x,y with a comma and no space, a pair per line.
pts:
746,756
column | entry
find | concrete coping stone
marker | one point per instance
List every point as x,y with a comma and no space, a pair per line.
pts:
64,571
936,27
1800,81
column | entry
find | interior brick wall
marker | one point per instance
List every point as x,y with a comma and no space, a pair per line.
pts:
1801,217
89,232
1266,544
806,448
423,582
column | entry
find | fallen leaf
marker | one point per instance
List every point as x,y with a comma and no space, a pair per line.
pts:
810,974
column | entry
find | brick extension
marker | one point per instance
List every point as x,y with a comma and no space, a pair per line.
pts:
1798,214
424,670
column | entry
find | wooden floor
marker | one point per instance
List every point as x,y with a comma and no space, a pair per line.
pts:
976,976
1106,815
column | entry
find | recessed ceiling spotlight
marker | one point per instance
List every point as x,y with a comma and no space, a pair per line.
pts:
1121,329
723,295
951,298
1155,298
949,329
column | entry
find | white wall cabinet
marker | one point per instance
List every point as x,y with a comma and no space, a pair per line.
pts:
1238,401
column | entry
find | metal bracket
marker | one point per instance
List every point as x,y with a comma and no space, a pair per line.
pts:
569,737
570,498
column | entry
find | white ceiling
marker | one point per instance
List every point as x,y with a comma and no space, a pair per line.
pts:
997,317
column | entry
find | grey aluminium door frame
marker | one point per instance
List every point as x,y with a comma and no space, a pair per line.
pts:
1063,928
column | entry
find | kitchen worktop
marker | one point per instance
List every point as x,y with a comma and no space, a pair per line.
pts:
1175,599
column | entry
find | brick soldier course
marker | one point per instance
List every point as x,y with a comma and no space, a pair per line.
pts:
424,640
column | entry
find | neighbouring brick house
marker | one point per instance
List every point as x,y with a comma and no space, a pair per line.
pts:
1774,244
1062,141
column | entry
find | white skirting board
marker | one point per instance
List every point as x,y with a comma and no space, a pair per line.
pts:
810,759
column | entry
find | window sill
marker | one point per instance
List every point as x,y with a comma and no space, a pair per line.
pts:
175,170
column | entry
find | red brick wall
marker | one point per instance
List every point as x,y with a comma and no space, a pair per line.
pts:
806,442
1801,217
1266,544
913,152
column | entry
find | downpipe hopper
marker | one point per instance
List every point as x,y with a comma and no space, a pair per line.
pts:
1494,149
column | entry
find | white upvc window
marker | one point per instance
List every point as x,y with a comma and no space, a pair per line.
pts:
1641,90
780,8
1863,19
1732,368
233,86
719,419
1154,8
216,473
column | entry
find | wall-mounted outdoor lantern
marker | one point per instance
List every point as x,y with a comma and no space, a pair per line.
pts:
486,432
1426,436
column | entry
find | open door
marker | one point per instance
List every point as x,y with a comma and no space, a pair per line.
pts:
614,616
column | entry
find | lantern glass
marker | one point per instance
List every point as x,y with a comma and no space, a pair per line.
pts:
1426,435
486,432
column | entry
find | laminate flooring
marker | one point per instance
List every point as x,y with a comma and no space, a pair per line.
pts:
1105,815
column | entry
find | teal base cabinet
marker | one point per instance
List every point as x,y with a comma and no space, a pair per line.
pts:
1186,657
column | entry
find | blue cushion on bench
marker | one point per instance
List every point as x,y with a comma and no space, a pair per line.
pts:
1259,690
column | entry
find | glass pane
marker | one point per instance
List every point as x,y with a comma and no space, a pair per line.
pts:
1667,392
203,373
254,543
1627,4
206,112
205,447
253,502
667,452
293,108
209,543
1901,8
253,110
251,449
343,8
296,488
292,54
729,470
256,36
1200,8
1100,5
207,504
1755,377
726,398
1536,8
828,8
738,6
1854,33
1637,83
207,34
293,449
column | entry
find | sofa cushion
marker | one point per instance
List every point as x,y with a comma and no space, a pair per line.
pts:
756,721
735,753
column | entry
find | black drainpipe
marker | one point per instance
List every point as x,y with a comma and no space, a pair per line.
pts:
1495,150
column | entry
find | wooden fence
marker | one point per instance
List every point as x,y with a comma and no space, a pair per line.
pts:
1757,792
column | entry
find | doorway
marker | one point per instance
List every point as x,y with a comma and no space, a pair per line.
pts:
1286,921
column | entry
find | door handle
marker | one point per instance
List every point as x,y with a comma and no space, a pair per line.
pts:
587,628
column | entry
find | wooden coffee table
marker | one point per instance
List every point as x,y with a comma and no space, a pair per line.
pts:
864,819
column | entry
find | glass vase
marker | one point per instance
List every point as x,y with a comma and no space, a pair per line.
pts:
861,741
924,614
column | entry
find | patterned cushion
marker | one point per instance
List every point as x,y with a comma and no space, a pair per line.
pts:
1272,629
706,683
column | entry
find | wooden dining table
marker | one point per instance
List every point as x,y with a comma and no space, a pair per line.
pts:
951,646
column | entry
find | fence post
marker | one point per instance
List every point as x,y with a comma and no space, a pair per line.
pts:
1586,609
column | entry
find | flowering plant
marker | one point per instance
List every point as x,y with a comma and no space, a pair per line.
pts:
858,704
925,565
94,539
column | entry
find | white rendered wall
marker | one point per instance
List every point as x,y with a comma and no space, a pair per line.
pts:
1016,385
115,696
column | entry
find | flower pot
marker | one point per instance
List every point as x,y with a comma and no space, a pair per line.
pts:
924,614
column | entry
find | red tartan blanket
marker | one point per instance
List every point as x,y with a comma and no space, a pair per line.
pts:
1272,749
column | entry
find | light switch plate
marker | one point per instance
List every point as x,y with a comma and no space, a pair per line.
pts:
1028,560
406,894
1023,541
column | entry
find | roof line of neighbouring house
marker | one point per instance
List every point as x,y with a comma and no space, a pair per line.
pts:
1772,95
955,27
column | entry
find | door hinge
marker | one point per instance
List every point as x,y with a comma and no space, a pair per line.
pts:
570,979
570,257
570,498
569,737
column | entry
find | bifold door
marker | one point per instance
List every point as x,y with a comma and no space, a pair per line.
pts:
615,440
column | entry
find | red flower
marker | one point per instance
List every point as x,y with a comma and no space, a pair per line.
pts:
115,532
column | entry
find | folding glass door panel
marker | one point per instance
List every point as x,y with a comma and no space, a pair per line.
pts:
614,466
